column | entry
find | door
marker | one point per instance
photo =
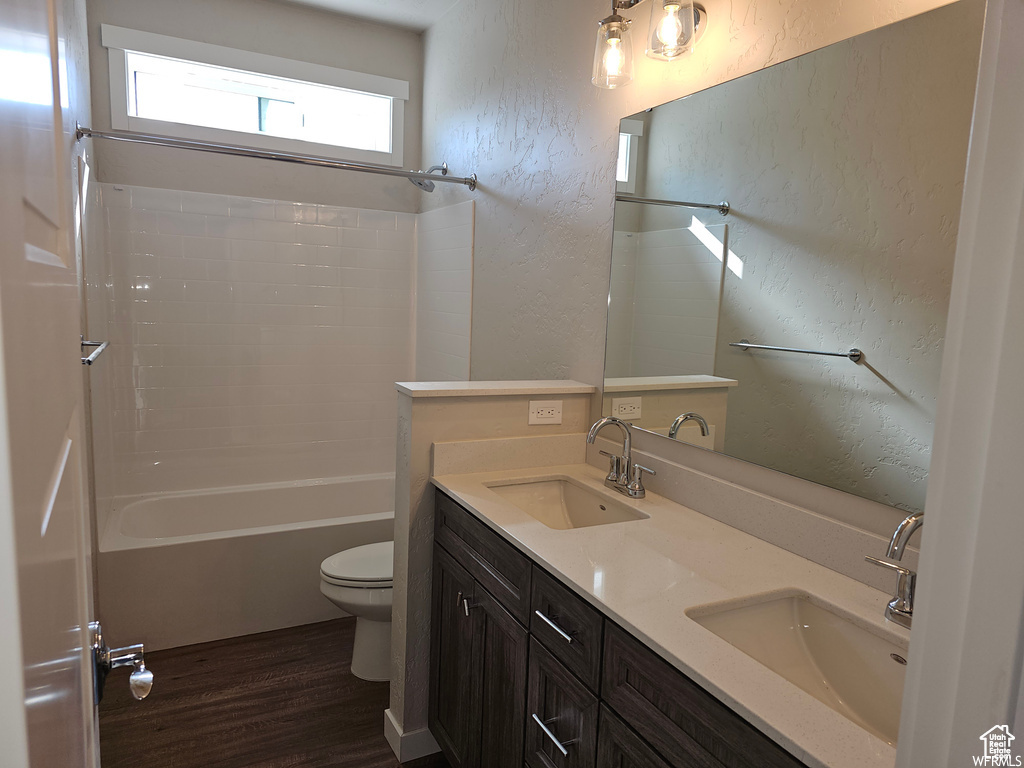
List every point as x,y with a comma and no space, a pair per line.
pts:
47,716
454,714
502,648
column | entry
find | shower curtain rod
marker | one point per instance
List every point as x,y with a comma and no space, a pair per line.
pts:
265,154
722,207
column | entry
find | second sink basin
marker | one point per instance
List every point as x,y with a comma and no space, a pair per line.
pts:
563,503
854,671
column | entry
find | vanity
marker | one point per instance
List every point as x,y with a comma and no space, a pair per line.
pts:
620,632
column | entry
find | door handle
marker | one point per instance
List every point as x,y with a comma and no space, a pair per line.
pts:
464,602
105,659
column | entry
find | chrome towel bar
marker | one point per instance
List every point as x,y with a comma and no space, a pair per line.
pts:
100,346
722,207
854,354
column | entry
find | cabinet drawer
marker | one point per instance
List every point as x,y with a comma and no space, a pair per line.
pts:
561,715
681,720
567,626
503,571
619,747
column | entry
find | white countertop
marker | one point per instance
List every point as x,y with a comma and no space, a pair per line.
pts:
493,388
658,383
645,574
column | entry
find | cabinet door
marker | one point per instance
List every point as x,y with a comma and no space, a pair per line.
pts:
502,645
561,730
619,747
455,706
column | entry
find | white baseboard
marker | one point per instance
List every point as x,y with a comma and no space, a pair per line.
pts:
408,746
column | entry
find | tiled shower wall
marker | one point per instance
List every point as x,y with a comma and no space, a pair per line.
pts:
253,340
663,313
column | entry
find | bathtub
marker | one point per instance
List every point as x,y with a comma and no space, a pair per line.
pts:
182,568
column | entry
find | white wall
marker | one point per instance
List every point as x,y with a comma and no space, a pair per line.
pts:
507,94
279,29
253,340
444,292
845,174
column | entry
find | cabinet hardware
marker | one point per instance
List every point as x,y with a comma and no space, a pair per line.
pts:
550,735
550,622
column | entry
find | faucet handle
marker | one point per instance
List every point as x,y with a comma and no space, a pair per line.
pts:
636,488
901,607
614,467
886,564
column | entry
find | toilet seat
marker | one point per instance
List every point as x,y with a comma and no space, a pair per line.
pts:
367,567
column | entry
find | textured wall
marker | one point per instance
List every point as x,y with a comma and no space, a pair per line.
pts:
444,292
507,94
253,341
845,173
278,29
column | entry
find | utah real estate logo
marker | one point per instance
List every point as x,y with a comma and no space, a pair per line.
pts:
998,749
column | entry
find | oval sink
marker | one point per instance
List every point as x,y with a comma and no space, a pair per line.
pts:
851,669
562,503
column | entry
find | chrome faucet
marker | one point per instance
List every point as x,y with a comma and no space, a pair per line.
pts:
623,475
685,417
901,608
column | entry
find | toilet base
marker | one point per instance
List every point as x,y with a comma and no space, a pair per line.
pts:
371,651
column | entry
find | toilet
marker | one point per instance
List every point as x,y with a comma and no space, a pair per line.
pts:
358,581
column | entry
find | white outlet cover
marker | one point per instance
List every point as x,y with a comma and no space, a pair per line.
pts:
545,412
626,407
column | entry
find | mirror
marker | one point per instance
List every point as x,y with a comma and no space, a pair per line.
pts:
844,171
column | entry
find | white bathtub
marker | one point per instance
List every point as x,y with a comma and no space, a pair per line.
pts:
183,568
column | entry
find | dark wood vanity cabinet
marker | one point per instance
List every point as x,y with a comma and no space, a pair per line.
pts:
524,672
478,672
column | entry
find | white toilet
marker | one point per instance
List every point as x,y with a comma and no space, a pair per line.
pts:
358,581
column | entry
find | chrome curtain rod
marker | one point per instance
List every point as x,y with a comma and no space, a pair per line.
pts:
265,154
854,354
722,207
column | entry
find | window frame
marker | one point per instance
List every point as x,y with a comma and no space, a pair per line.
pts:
117,40
634,129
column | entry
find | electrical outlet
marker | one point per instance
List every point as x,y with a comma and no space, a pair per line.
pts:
626,407
545,412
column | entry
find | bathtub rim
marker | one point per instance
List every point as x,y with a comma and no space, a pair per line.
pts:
113,540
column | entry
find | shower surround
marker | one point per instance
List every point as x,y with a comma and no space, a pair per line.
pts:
256,343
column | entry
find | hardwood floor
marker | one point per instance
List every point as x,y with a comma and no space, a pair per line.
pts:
275,700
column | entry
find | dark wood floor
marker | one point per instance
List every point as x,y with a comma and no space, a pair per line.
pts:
273,700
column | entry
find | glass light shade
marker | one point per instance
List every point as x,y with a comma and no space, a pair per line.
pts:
613,58
671,31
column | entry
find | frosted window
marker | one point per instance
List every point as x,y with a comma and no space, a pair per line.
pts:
179,91
622,167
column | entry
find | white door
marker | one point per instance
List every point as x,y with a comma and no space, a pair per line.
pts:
47,718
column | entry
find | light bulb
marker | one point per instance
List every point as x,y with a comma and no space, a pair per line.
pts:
613,58
670,29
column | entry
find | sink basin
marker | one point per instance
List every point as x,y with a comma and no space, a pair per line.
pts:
854,671
562,503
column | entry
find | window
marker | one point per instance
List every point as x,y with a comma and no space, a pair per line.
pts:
198,91
630,131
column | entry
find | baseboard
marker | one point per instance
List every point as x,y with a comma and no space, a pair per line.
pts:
408,746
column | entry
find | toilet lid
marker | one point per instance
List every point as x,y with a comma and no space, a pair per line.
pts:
369,565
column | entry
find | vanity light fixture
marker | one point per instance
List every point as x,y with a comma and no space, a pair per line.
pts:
673,31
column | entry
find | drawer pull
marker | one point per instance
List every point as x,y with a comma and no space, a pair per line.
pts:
565,635
550,735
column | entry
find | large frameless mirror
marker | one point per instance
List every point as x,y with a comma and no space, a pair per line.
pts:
844,173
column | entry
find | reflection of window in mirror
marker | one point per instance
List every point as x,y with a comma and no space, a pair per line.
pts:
630,132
